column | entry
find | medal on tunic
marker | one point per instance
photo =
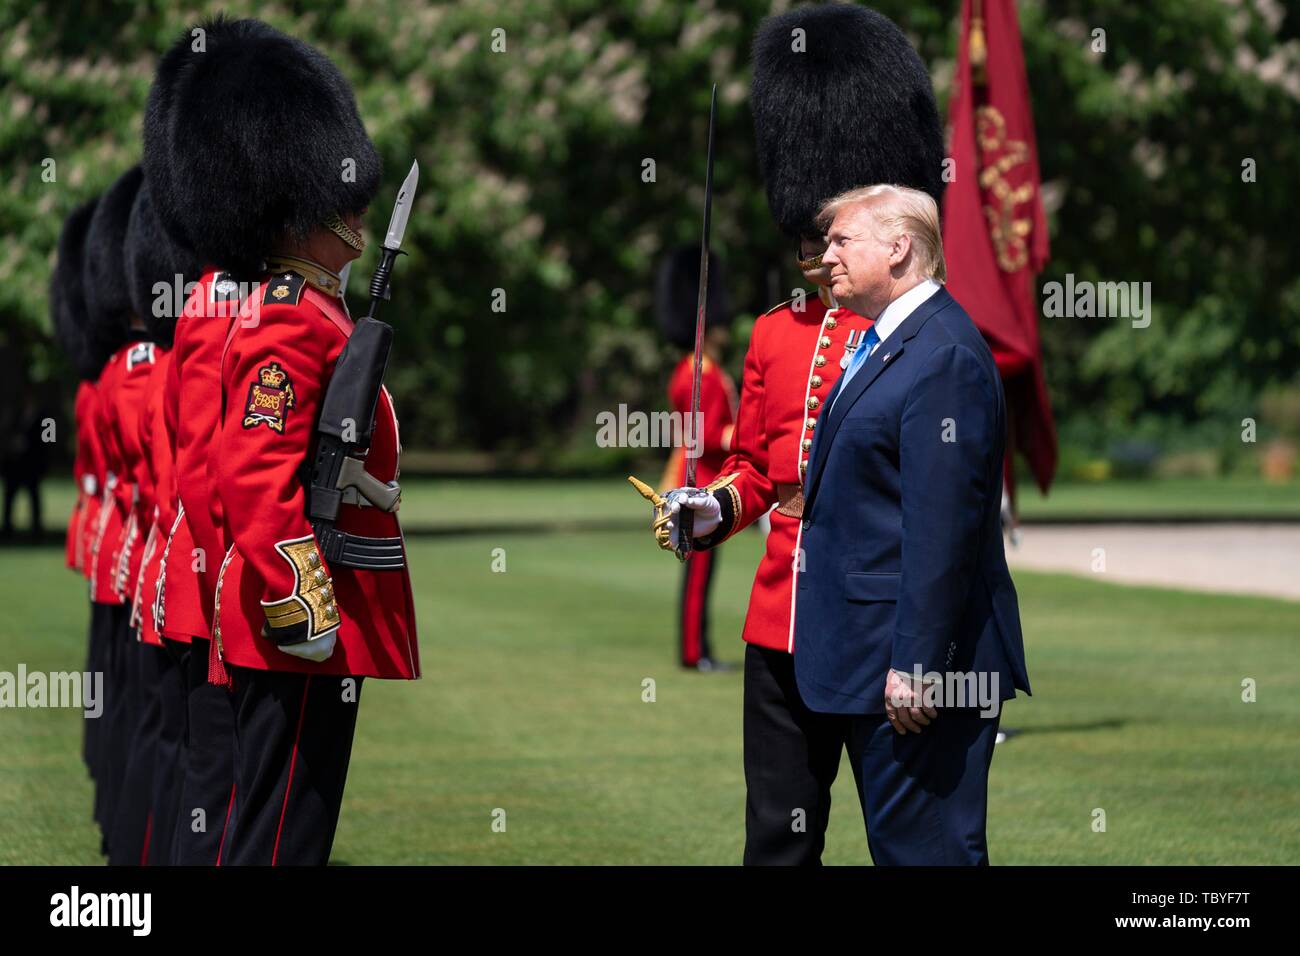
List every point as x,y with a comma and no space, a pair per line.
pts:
850,346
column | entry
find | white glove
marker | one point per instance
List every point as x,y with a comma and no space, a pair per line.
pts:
708,513
317,650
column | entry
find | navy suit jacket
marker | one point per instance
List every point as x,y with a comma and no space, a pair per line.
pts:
902,543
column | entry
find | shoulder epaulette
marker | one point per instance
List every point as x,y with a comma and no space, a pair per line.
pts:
779,305
284,288
141,353
224,288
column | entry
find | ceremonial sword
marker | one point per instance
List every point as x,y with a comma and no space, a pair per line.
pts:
686,516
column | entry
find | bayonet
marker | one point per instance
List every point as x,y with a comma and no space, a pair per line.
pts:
392,245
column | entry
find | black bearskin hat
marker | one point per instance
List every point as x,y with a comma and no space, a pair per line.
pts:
677,295
108,299
67,294
153,257
846,103
251,135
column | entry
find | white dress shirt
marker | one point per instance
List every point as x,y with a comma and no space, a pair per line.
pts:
890,319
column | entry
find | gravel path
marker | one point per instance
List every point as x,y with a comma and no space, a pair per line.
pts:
1229,558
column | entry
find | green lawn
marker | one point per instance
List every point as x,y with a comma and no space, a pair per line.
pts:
532,703
608,502
1237,498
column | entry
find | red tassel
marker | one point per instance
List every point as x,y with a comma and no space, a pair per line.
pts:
217,672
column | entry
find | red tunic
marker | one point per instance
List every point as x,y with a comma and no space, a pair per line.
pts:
276,367
193,414
791,367
93,483
121,400
135,532
717,413
82,475
158,485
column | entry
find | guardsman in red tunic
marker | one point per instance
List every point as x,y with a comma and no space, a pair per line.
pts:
68,317
817,116
676,294
82,475
291,625
68,303
184,146
185,593
294,633
121,401
150,793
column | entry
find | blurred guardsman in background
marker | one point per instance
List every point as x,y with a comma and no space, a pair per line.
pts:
297,623
24,447
117,534
676,289
851,105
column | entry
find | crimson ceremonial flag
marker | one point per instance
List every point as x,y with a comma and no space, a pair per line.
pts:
994,228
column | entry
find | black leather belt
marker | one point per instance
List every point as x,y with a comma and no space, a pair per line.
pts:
358,551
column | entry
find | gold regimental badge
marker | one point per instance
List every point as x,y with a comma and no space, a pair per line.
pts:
269,398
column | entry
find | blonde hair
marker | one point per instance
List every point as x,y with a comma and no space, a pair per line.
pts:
901,211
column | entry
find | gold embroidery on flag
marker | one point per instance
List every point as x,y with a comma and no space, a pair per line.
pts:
999,156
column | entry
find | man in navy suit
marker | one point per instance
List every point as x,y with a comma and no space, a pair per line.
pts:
907,619
906,625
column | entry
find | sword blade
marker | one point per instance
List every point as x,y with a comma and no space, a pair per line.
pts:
702,297
687,516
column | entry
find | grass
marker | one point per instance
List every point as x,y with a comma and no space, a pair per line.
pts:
447,504
1236,498
532,704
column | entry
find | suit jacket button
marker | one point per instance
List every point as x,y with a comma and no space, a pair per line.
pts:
806,523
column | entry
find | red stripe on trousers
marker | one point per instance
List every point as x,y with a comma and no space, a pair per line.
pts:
225,827
293,761
148,829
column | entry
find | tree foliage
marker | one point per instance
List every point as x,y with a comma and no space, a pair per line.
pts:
533,121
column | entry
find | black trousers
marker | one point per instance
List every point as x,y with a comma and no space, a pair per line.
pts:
133,822
101,625
923,796
119,719
30,484
792,756
208,770
293,742
169,761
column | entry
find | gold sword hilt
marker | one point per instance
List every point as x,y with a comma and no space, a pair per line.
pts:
659,525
